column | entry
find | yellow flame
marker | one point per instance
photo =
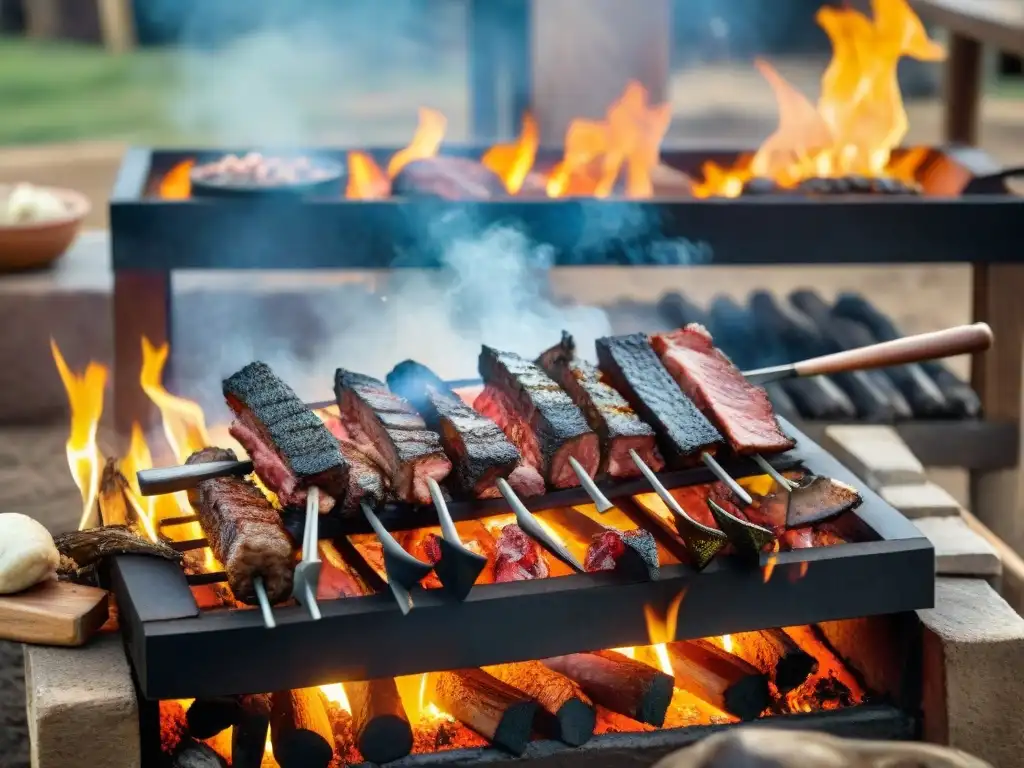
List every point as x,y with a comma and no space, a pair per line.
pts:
85,398
425,142
512,162
663,630
727,643
630,652
139,457
336,692
661,652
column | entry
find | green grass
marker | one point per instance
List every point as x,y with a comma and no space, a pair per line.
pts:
53,92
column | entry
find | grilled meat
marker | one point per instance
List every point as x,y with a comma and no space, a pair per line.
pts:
607,412
245,532
630,364
480,450
518,557
289,445
377,418
607,549
367,478
741,410
538,417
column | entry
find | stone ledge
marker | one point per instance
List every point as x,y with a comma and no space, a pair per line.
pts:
82,710
973,645
921,500
876,454
959,551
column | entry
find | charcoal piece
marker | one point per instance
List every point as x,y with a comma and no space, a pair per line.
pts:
679,311
961,400
195,754
760,185
803,339
450,178
844,334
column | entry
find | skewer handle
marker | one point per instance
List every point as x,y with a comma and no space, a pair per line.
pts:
960,340
444,517
601,501
160,480
719,471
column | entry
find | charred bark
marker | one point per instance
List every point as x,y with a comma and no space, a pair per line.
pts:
300,731
379,721
493,709
718,677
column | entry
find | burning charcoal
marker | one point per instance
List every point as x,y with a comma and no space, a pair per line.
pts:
961,401
618,683
617,425
775,653
760,185
720,678
195,754
568,714
379,722
490,707
450,178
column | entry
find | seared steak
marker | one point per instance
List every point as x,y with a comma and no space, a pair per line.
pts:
245,532
367,477
630,364
480,450
518,558
377,418
741,410
537,416
289,445
607,412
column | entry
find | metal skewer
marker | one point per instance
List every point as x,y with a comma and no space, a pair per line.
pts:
532,527
601,501
261,595
403,570
702,542
459,566
784,482
718,471
307,572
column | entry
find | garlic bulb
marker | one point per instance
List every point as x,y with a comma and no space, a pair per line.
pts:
27,553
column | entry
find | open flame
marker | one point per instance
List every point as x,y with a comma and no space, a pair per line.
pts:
859,118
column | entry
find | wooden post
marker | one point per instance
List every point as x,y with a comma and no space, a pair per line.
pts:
963,90
117,22
141,308
997,378
586,51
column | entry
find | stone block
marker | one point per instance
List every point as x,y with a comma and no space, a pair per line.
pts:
82,709
959,550
973,651
921,500
876,454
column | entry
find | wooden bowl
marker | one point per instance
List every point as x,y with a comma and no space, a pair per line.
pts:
36,245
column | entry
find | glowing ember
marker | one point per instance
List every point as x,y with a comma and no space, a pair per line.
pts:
85,398
859,118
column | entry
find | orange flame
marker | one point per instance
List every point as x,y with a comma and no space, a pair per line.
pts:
769,566
661,631
596,152
177,183
85,397
366,181
425,142
512,162
859,118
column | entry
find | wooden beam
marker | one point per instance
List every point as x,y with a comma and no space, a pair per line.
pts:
585,52
963,90
997,378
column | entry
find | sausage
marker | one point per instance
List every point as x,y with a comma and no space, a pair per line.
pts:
244,530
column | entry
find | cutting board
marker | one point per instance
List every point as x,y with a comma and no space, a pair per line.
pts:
53,613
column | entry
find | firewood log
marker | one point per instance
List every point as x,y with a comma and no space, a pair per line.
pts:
249,737
379,722
721,679
195,754
619,683
493,709
111,499
775,653
300,732
208,717
567,712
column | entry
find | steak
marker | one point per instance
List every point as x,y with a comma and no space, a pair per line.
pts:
719,389
480,450
245,532
609,415
631,366
382,423
539,418
288,444
367,478
518,557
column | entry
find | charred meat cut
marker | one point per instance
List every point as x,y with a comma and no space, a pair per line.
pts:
741,410
479,449
245,532
630,364
367,478
518,558
541,420
289,445
376,418
607,412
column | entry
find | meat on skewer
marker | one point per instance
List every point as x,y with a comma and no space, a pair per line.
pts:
538,417
387,426
245,532
367,477
630,364
609,415
480,450
290,447
741,410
